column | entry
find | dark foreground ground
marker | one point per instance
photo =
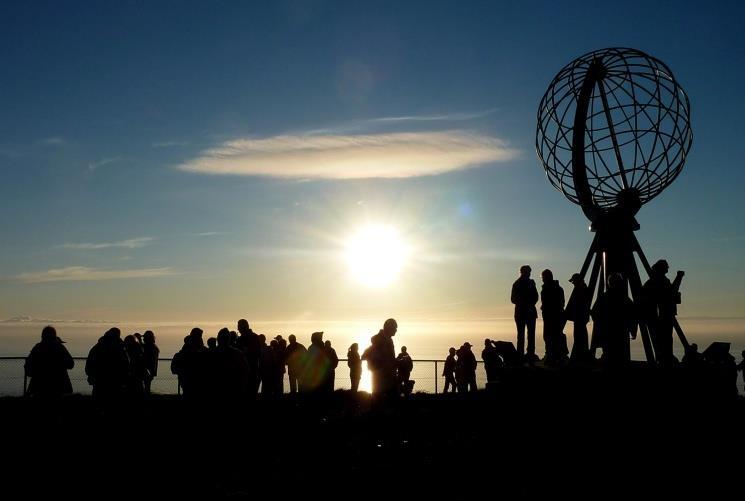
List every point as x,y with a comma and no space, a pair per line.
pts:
538,434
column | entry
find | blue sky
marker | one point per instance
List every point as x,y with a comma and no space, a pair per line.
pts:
115,116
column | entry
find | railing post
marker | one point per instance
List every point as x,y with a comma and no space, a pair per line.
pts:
436,376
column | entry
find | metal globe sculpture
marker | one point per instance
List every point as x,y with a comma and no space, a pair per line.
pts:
613,129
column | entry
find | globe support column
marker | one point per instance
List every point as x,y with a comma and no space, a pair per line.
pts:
613,131
614,244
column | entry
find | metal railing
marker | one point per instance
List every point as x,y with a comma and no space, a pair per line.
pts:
426,374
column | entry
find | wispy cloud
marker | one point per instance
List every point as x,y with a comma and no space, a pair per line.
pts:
168,144
372,124
86,274
334,156
95,165
54,141
132,243
208,234
443,117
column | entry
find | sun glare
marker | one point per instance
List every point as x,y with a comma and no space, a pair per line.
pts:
375,255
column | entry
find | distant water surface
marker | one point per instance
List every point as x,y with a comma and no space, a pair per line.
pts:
423,339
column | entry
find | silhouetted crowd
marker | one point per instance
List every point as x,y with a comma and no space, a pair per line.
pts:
232,365
241,364
616,317
616,320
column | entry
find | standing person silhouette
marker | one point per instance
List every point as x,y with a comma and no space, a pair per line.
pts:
404,366
47,366
660,308
333,360
151,352
188,364
280,352
354,363
382,360
107,366
315,366
578,312
466,369
137,371
552,309
248,343
525,296
294,355
492,362
230,372
614,315
449,371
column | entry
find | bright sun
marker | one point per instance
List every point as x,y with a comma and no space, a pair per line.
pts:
376,255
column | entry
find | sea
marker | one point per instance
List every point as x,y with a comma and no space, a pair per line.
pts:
427,342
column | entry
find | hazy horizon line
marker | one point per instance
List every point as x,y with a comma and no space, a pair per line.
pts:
21,319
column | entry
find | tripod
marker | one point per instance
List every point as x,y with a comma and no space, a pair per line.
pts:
614,250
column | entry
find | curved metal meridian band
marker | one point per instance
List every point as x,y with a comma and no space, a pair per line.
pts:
579,171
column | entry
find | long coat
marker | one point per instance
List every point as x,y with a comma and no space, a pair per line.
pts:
47,366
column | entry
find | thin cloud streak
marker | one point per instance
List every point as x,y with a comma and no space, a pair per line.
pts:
330,156
370,124
132,243
208,234
92,166
446,117
169,144
54,141
86,274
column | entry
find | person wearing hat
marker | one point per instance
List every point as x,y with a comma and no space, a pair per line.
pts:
465,372
525,296
578,312
47,366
